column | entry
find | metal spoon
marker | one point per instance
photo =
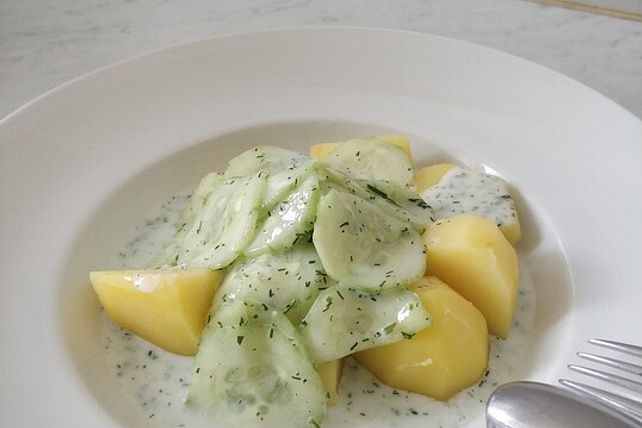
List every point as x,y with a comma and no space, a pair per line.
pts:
534,405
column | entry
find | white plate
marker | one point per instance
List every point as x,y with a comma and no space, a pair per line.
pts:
84,163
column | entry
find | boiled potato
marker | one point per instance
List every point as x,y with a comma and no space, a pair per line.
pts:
443,358
320,151
512,231
331,372
471,255
165,307
428,176
494,189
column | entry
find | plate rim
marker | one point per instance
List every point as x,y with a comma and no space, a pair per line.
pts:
97,72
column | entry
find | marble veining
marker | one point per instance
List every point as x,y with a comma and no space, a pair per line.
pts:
44,44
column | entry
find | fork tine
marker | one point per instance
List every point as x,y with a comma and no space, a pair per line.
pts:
608,377
612,362
632,408
618,346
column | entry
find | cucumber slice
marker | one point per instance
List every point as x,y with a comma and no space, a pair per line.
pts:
361,245
343,321
267,158
288,282
289,221
372,159
253,369
222,226
285,169
199,197
281,182
400,202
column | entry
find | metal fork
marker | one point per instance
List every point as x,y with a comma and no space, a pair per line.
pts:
631,405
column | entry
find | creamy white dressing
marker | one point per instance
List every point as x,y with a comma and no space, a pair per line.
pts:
158,380
466,191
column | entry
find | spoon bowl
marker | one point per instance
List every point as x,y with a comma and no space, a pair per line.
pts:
535,405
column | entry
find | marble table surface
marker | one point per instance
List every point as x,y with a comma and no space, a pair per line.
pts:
45,43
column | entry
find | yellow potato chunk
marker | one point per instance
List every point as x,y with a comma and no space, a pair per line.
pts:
165,307
512,231
320,151
428,176
331,372
442,359
471,255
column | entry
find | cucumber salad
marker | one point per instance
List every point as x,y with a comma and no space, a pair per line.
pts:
312,259
317,254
